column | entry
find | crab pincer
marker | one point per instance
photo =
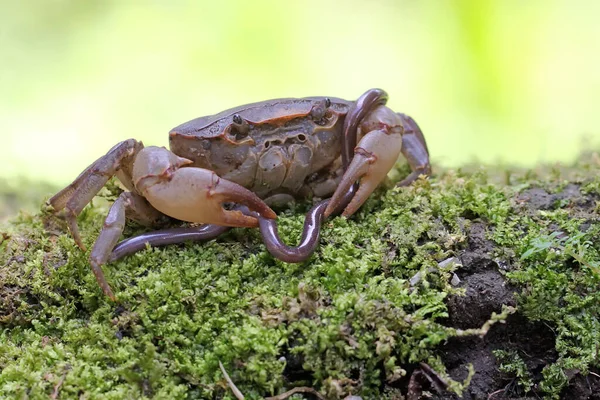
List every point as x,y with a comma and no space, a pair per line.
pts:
193,194
385,134
374,156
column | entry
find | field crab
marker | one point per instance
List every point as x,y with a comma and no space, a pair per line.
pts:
224,170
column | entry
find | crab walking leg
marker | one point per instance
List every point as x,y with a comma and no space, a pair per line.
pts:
72,199
414,148
128,205
374,157
193,194
112,229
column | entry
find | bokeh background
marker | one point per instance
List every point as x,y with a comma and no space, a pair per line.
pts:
512,82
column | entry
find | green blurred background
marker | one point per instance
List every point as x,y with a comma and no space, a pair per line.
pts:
509,81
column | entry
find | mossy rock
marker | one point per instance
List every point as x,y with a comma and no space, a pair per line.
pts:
416,279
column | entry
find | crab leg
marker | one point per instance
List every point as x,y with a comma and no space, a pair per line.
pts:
132,206
72,199
193,194
414,148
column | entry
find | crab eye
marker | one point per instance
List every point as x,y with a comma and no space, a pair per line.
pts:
317,112
327,102
241,135
240,126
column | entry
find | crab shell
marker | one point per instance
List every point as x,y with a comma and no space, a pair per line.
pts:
276,147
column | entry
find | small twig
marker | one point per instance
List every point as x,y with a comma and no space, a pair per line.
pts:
58,385
593,373
495,393
301,389
236,392
415,389
434,378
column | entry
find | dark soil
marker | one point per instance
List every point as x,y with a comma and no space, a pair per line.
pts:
486,292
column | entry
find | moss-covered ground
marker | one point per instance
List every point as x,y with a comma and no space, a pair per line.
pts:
419,275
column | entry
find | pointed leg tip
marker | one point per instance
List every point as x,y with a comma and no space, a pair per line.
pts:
328,211
74,229
100,278
80,244
332,206
108,292
106,289
78,240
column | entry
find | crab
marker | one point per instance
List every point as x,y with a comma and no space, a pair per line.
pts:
229,169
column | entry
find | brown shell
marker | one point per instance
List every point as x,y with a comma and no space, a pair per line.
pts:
274,112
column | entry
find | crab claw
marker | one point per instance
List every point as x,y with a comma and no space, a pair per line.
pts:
374,157
193,194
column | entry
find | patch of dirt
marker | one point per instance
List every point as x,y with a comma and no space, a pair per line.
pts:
478,256
570,197
584,387
534,342
486,292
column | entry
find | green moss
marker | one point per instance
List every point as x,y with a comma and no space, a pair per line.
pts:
557,268
513,366
560,276
346,321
